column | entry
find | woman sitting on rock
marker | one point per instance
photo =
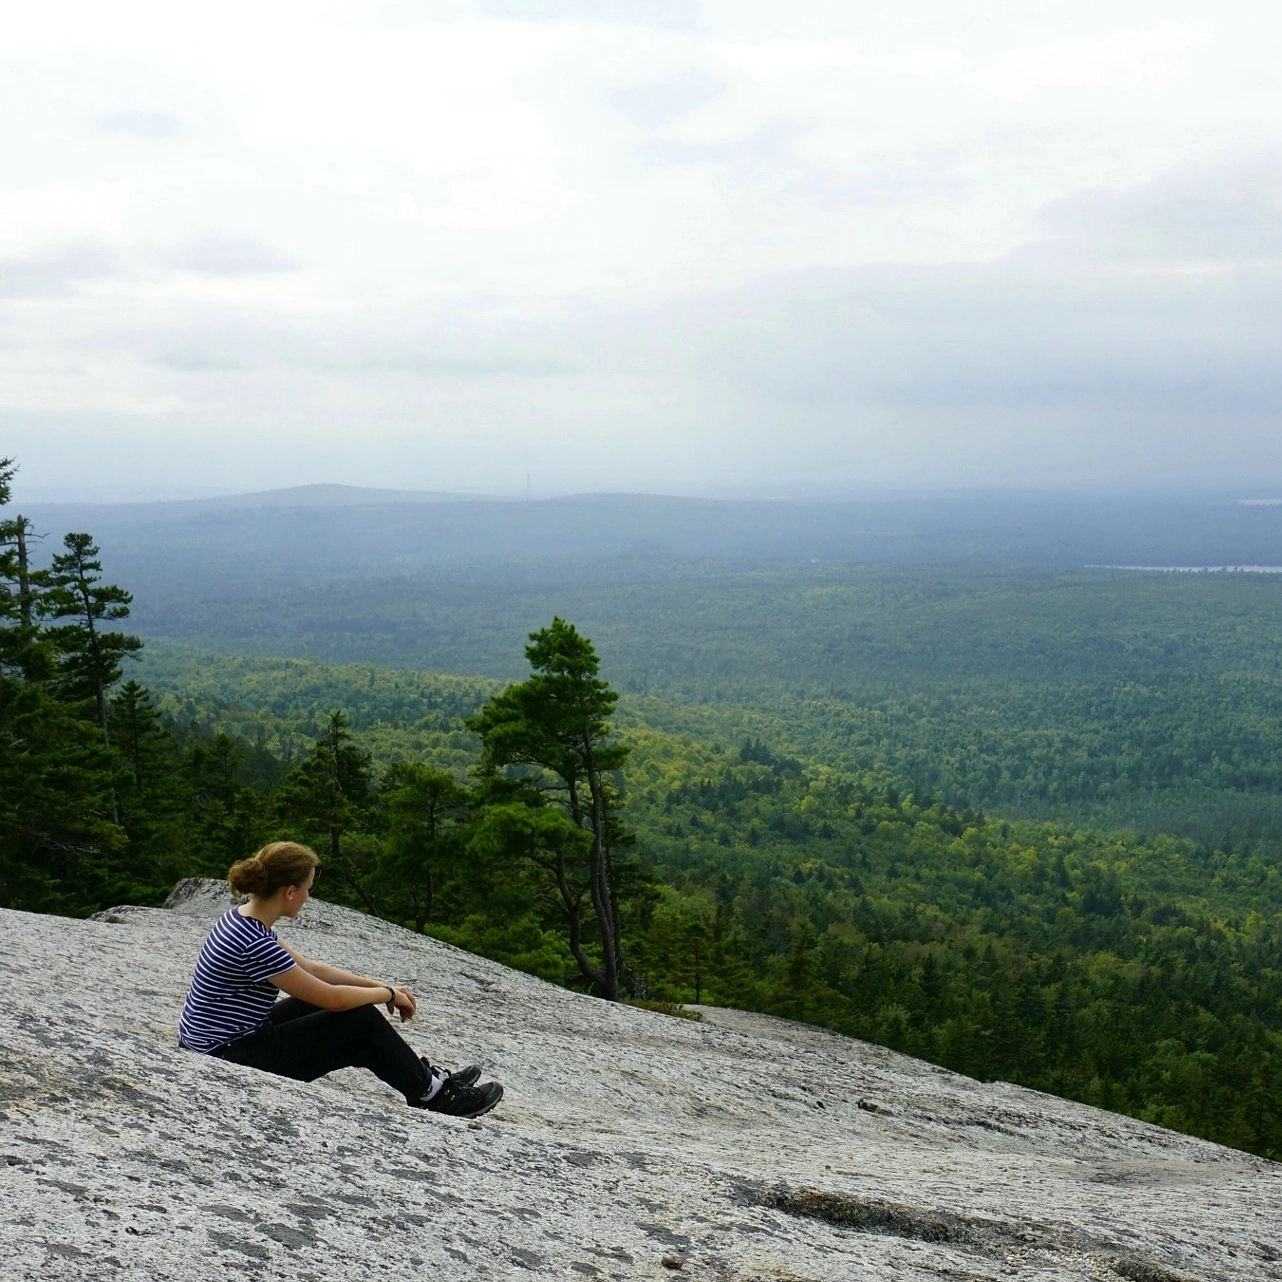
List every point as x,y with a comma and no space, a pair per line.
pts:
328,1020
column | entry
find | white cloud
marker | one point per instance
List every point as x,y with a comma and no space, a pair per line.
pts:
628,13
1226,214
230,256
633,237
1118,61
154,126
55,270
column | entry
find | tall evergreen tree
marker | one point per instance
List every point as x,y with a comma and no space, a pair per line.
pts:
426,815
140,737
55,784
225,818
90,655
553,730
21,652
145,754
330,794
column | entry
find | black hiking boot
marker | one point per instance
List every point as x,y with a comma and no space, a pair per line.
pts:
462,1101
468,1076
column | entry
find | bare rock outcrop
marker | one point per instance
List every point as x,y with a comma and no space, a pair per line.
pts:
629,1144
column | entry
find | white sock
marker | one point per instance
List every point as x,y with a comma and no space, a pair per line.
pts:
435,1086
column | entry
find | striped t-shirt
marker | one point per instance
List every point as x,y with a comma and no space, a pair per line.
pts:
230,995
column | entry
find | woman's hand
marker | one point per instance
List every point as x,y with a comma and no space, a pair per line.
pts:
404,1004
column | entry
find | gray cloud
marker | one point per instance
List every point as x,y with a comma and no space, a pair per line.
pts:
1069,329
1059,327
228,256
1012,335
150,125
195,360
1094,354
56,269
441,364
456,348
452,349
1228,211
1100,317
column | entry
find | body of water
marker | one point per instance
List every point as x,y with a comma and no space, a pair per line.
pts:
1194,569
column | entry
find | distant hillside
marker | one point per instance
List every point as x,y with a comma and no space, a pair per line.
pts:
321,534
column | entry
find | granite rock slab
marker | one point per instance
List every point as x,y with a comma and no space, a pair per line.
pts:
628,1145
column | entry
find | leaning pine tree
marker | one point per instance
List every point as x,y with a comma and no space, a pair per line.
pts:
546,758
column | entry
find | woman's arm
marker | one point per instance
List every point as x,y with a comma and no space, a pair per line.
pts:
331,974
296,982
323,977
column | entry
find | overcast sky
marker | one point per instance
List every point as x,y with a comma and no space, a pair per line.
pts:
626,245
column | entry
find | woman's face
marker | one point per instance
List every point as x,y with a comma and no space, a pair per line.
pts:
296,896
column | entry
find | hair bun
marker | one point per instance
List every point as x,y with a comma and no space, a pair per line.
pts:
280,863
247,877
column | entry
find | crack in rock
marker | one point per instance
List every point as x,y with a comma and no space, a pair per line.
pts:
1143,1271
993,1237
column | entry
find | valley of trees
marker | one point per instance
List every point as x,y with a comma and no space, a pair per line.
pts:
802,853
1151,701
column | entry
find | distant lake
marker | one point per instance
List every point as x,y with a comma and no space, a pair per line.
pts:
1195,569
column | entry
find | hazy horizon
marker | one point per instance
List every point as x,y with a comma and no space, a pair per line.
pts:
799,492
680,246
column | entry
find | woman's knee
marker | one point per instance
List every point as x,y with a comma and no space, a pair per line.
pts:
366,1015
291,1008
365,1023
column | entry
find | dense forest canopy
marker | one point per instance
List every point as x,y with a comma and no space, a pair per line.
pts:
1146,700
936,807
878,632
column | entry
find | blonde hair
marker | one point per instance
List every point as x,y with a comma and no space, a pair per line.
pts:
279,863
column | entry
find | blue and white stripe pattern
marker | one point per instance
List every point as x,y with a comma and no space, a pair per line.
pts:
230,995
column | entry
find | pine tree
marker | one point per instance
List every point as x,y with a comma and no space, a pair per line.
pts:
554,730
426,815
90,656
330,794
224,818
146,769
55,788
22,653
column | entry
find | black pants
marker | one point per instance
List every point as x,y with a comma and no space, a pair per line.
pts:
304,1042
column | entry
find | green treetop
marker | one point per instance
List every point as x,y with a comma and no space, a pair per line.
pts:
551,732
